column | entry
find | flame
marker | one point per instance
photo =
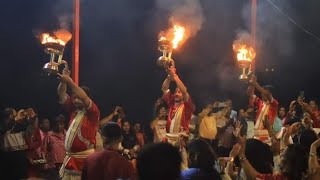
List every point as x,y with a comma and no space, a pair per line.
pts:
60,37
162,38
178,32
244,52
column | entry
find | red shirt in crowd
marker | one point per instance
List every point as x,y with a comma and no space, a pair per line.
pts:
186,112
86,139
53,147
107,165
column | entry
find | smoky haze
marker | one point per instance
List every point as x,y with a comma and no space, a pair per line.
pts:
118,48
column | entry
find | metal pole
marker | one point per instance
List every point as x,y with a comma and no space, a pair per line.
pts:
76,27
253,30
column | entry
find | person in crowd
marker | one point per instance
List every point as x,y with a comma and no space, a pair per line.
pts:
108,164
282,115
17,138
225,134
207,124
84,121
267,105
292,166
158,162
117,116
202,161
54,149
158,125
137,130
130,144
313,162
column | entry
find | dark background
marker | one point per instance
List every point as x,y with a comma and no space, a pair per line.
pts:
118,52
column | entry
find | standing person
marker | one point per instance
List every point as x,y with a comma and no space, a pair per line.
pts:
130,145
108,164
180,104
181,109
139,133
158,125
15,141
84,120
53,148
267,106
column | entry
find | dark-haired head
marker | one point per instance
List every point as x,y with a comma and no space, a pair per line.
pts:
203,157
158,162
259,155
59,123
294,162
111,134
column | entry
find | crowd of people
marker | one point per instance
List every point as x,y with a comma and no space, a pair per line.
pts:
262,140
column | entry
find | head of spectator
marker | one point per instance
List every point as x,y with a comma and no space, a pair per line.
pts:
59,124
282,112
259,155
111,135
158,162
44,124
202,157
294,162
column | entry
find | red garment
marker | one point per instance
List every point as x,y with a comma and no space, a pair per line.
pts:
53,147
107,165
88,128
186,114
270,177
34,143
140,139
315,118
273,109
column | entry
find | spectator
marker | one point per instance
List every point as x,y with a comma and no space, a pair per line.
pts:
130,145
158,162
139,134
201,161
108,164
53,147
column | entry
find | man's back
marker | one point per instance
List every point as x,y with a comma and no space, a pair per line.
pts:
107,165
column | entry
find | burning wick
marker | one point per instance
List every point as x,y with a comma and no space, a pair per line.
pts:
244,52
245,55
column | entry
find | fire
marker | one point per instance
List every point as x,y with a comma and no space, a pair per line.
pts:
60,37
178,32
244,52
174,36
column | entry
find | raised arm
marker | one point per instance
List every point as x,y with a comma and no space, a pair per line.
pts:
166,84
172,73
108,118
79,92
62,88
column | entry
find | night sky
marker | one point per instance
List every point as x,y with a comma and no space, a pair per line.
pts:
118,52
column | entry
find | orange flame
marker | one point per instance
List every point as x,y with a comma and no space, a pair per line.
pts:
178,32
244,52
174,36
60,37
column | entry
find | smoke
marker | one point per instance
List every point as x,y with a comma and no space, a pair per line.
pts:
189,13
243,37
274,33
63,11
